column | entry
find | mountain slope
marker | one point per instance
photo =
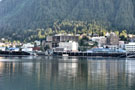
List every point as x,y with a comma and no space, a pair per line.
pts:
25,14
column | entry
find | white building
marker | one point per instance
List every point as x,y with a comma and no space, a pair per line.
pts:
67,46
122,44
100,40
2,44
38,43
49,38
2,48
27,47
130,47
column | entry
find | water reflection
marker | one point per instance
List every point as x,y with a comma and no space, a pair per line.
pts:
66,73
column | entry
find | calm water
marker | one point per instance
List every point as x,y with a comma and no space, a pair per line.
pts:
64,73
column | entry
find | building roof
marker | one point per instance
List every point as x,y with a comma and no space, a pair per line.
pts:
106,50
66,35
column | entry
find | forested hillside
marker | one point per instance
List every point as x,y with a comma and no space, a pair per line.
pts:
17,16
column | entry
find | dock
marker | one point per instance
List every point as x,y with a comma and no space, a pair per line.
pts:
13,53
88,54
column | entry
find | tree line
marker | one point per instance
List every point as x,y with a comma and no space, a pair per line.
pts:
64,27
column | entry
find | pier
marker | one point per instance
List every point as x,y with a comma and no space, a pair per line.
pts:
14,53
91,54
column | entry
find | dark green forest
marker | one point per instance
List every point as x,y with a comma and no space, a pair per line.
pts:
35,19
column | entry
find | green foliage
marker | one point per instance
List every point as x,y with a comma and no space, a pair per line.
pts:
117,33
20,18
61,27
123,35
84,41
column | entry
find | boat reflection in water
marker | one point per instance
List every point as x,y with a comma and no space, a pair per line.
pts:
67,73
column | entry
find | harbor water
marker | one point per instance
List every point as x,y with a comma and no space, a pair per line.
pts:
66,73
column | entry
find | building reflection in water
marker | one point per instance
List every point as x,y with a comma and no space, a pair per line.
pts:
65,73
68,67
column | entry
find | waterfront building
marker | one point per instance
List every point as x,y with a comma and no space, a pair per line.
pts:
37,49
100,40
122,44
112,39
132,39
68,46
53,41
2,48
38,43
130,47
49,38
62,38
50,44
106,50
2,44
28,47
